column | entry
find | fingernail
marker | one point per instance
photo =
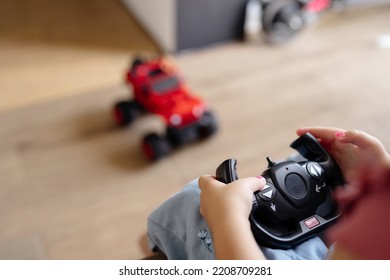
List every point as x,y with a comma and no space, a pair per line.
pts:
340,134
261,178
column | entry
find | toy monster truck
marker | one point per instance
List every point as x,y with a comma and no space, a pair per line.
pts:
159,89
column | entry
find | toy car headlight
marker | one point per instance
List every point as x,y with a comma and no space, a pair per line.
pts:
175,119
198,111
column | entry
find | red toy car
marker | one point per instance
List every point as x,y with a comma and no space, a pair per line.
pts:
158,89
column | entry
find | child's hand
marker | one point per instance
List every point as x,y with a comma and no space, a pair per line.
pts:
355,151
221,202
226,208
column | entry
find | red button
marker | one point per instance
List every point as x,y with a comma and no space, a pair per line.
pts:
312,222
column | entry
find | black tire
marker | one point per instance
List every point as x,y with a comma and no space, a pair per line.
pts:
155,147
207,125
282,19
126,111
180,136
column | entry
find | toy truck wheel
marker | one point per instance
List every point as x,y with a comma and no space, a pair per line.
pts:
125,112
207,125
155,147
282,19
179,136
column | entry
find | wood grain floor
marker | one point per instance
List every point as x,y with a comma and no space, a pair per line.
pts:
74,186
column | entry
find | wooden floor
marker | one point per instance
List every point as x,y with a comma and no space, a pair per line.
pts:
74,186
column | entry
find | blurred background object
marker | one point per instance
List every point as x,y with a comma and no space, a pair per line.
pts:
178,25
74,186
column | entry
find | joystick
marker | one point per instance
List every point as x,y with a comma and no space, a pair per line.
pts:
296,203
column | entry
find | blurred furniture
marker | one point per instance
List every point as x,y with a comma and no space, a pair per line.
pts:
185,24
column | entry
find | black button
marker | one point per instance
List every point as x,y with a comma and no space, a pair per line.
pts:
268,192
315,170
295,185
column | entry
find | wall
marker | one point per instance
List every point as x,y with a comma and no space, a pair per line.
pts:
158,17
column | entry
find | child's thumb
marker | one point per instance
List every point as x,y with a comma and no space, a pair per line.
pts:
255,183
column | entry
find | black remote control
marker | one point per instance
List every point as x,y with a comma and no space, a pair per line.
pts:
296,202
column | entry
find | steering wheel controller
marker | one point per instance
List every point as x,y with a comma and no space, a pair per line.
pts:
296,203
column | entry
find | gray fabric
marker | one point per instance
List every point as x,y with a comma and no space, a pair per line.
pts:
178,229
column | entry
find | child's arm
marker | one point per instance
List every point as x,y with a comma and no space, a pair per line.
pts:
226,208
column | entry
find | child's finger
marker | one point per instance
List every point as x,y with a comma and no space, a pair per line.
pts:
207,180
358,138
253,183
326,134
